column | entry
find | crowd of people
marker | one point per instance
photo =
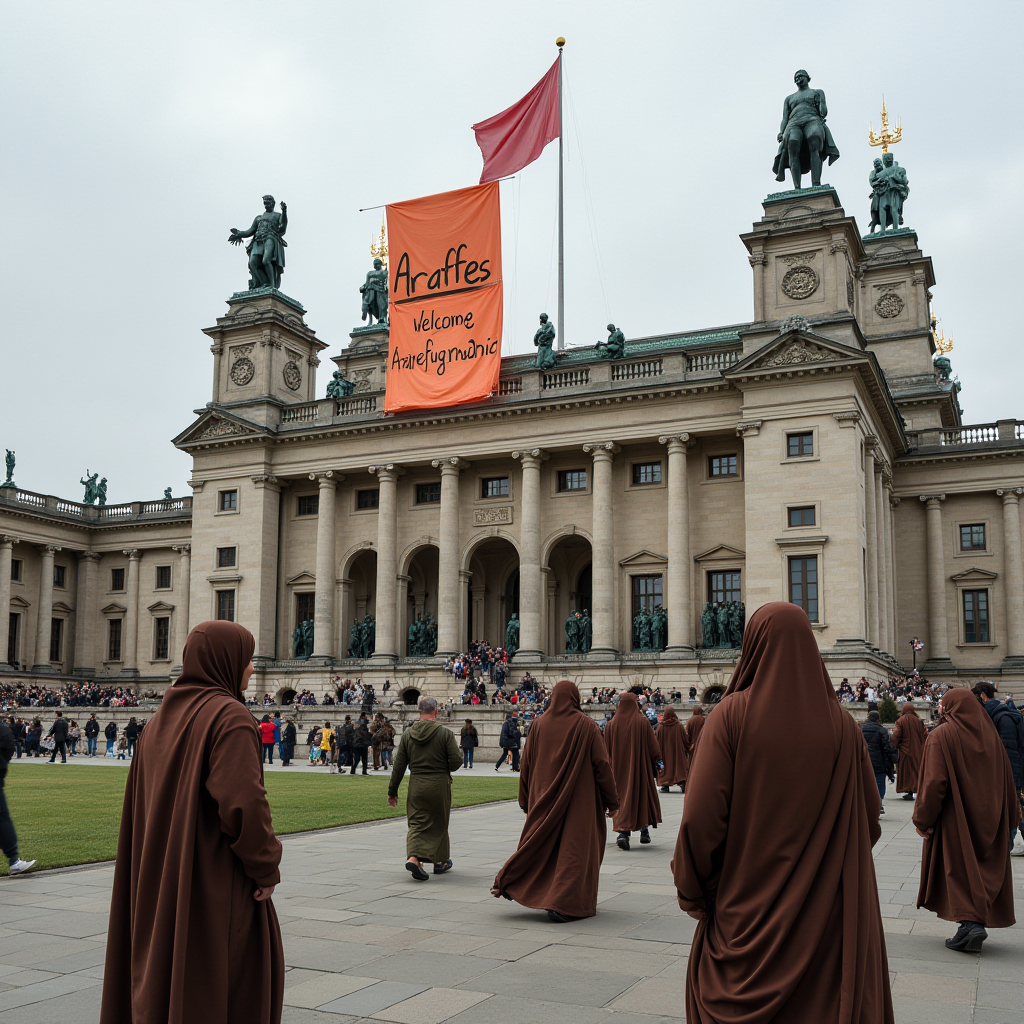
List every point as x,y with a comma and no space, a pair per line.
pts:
64,736
481,662
73,695
909,687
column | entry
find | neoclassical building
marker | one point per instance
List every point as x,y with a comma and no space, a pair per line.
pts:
815,454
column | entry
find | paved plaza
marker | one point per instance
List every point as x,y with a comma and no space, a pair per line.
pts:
365,943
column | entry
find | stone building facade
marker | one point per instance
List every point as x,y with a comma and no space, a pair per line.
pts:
814,454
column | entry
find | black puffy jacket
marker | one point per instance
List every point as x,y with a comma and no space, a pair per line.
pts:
1011,731
879,748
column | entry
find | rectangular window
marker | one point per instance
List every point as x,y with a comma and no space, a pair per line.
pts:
60,576
117,579
114,640
161,638
226,605
976,617
163,577
572,479
368,499
724,586
972,537
495,487
15,570
428,494
803,516
304,607
226,558
646,473
307,505
14,620
646,593
799,444
722,465
56,639
228,501
803,584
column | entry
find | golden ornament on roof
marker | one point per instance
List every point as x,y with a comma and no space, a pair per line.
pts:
942,343
379,247
886,137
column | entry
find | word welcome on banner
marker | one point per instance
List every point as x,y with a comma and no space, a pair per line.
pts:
445,311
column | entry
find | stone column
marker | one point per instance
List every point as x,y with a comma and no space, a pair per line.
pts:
130,653
603,550
531,596
477,594
181,620
402,613
346,616
871,540
464,577
85,610
44,610
679,584
6,553
326,567
891,646
938,624
1014,568
387,561
893,585
880,535
448,553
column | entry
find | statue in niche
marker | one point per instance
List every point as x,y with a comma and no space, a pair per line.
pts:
659,627
735,624
362,637
544,339
91,488
804,138
375,294
722,625
354,634
708,636
302,639
9,460
889,188
615,346
339,387
266,250
586,632
572,633
642,631
512,635
421,638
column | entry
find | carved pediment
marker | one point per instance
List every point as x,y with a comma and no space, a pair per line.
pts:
213,427
644,557
19,602
721,553
114,609
62,607
160,606
974,575
302,579
794,349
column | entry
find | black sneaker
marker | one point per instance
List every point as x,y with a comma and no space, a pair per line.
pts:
623,841
416,871
645,837
664,789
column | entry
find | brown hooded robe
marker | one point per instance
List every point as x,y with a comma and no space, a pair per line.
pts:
693,728
565,786
774,847
634,752
187,941
966,796
908,736
669,735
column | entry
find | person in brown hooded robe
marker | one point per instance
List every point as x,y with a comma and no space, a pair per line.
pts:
193,934
774,851
966,811
669,735
565,787
908,737
634,753
693,728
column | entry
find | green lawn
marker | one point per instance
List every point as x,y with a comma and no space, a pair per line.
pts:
71,815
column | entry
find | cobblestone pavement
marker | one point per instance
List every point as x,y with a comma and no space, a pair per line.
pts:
364,942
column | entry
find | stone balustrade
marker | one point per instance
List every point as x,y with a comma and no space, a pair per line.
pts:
1001,434
61,508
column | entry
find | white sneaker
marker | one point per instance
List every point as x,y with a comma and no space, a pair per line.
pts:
881,811
1017,850
19,867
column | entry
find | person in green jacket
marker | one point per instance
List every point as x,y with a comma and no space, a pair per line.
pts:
430,752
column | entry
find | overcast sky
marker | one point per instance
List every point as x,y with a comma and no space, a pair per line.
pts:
135,135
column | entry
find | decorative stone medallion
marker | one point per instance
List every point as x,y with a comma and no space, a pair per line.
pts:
889,305
242,371
292,375
496,514
800,282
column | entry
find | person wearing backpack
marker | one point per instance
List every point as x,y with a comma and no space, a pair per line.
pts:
110,733
1010,726
880,750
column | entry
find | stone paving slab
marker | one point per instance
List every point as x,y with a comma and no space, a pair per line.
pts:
363,942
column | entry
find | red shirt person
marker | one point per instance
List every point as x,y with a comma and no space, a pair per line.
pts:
774,851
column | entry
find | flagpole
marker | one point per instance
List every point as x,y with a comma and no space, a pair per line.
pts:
560,42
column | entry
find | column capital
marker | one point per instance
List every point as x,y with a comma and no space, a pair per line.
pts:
749,428
1010,495
196,485
266,480
602,449
88,556
327,477
450,464
133,554
465,575
182,549
387,471
6,540
677,441
531,456
50,549
847,417
932,500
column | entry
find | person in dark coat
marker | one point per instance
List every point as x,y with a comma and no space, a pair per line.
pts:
92,730
469,740
346,736
881,753
59,732
692,731
908,735
360,745
110,735
288,737
511,739
671,739
131,733
1010,726
634,754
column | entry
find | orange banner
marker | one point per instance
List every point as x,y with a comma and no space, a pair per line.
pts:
445,310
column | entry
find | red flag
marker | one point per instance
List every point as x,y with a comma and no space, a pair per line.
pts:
515,137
